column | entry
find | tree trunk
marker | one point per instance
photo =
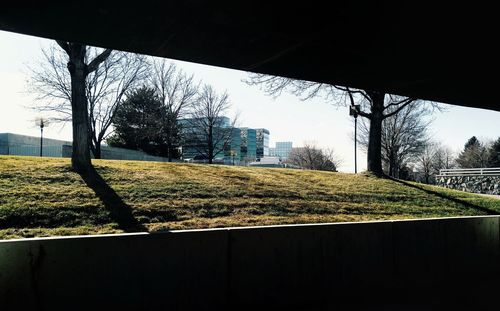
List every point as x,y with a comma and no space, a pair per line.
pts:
97,151
95,147
80,158
375,136
392,166
210,145
169,149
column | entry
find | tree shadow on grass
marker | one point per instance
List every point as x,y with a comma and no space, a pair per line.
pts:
447,197
119,211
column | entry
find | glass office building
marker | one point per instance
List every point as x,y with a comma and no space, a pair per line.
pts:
194,142
248,144
282,149
241,145
262,139
232,152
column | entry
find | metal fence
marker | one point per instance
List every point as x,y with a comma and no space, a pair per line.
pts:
469,171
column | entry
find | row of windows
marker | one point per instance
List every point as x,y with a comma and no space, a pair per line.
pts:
242,144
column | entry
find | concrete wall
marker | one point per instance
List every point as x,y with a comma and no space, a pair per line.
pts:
32,141
426,264
113,153
14,144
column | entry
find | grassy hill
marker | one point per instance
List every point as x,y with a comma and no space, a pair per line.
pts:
41,197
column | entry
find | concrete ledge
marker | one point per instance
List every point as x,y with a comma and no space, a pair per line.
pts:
428,262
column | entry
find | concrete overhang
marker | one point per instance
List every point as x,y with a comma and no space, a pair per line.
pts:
436,52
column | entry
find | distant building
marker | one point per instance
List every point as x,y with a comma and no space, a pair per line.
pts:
282,149
232,152
227,140
22,145
243,146
271,162
262,142
267,162
194,145
248,144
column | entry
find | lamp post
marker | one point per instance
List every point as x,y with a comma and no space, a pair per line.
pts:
354,111
41,122
233,153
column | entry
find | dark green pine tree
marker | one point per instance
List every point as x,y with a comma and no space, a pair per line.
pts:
138,123
474,154
472,143
494,154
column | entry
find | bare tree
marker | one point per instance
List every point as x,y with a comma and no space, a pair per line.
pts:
404,136
434,157
443,158
79,67
424,162
313,158
374,105
177,91
207,130
105,87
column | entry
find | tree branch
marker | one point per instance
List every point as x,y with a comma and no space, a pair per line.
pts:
403,101
351,98
399,109
64,45
365,114
99,59
346,89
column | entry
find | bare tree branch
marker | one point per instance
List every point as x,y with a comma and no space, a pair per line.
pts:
397,110
114,73
92,66
207,129
177,91
404,136
313,158
372,103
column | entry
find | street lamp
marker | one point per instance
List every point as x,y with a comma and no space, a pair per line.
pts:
233,153
354,111
41,122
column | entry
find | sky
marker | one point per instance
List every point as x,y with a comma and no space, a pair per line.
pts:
286,117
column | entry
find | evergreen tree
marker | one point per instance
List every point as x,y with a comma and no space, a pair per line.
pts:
474,154
494,154
138,123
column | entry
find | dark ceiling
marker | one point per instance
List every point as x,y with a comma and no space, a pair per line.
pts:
442,53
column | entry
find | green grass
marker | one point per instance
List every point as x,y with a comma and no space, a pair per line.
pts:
43,197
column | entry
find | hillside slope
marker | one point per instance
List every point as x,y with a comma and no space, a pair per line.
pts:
40,197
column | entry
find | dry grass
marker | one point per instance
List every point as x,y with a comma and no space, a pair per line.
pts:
42,197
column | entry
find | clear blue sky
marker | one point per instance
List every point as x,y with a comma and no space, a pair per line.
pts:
287,117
